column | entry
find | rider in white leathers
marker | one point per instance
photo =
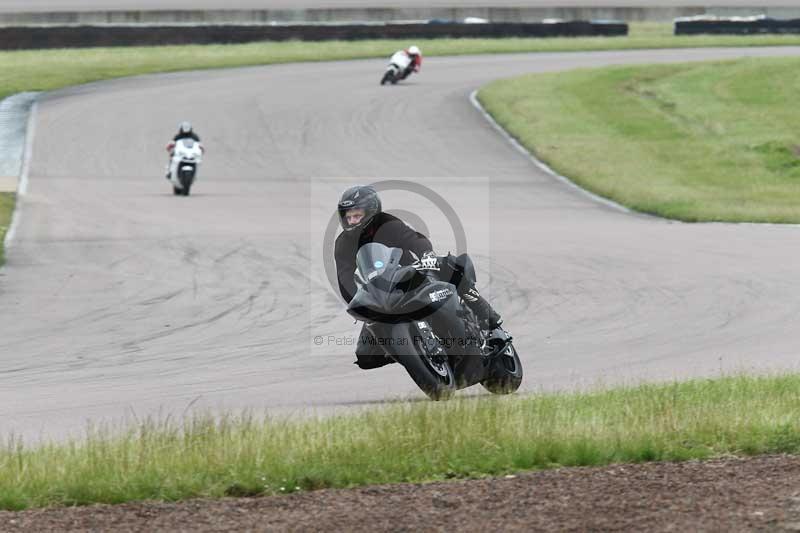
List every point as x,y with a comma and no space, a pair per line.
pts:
408,61
185,131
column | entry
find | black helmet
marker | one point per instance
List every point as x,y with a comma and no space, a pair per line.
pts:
359,197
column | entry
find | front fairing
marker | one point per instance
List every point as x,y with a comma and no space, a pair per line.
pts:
399,295
391,292
188,151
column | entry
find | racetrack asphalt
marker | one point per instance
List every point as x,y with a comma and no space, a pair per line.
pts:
122,301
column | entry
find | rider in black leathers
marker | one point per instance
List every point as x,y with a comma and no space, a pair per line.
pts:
364,221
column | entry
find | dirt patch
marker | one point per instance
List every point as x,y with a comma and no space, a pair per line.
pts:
756,494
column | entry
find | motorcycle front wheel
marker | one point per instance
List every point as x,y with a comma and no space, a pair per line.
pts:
186,181
434,378
505,375
432,374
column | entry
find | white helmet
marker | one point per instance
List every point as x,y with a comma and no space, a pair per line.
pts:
185,127
414,51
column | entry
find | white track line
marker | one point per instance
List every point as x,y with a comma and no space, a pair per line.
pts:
22,189
473,97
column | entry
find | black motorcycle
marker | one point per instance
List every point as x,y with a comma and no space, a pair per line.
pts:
420,322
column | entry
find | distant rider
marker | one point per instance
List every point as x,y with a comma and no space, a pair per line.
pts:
185,131
363,221
408,61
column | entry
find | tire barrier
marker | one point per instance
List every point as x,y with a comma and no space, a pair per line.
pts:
343,15
735,26
39,37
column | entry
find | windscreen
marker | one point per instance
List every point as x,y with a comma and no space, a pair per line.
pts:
373,259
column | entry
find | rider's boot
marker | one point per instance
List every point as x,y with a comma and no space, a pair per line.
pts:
489,318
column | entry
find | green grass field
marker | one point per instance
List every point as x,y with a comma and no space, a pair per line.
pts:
695,142
415,442
6,209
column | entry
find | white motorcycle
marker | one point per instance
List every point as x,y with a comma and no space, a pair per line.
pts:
397,69
187,154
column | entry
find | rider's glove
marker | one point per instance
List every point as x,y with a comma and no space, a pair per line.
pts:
428,261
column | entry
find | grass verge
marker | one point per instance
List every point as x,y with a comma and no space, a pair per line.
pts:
6,209
416,442
696,142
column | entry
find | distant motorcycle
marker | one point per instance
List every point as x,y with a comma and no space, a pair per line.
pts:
421,323
397,70
187,154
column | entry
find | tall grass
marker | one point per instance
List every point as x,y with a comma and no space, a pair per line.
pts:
696,142
6,209
245,455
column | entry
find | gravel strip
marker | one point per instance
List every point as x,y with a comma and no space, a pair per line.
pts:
732,494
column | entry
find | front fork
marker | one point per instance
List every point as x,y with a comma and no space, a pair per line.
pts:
417,333
496,344
430,342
